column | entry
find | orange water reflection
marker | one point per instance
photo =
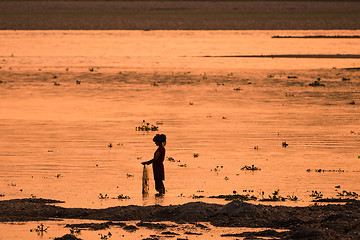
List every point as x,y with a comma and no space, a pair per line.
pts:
54,138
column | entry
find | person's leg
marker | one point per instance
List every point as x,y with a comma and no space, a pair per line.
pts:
159,186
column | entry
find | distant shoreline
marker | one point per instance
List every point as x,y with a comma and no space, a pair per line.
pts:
179,15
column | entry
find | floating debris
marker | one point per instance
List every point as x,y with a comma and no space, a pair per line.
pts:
196,155
110,145
352,102
250,168
56,84
238,89
346,79
291,77
324,170
78,82
284,144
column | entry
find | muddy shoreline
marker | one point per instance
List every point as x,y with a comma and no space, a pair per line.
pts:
312,222
178,15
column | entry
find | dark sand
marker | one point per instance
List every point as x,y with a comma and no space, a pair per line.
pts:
179,15
313,222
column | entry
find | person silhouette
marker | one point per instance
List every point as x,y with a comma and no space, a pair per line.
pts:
158,163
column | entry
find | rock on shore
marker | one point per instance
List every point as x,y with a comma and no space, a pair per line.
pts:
313,222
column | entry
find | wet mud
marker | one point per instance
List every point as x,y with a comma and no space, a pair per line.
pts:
312,222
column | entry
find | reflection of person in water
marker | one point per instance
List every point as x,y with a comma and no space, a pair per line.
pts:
157,162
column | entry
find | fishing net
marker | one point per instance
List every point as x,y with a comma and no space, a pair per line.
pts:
145,181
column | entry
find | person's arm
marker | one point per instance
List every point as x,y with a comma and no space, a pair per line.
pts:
157,156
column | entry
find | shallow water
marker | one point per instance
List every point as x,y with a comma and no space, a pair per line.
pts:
57,229
54,139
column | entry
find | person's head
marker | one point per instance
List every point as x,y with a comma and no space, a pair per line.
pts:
160,139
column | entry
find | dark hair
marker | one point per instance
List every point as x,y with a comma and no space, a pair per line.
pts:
159,138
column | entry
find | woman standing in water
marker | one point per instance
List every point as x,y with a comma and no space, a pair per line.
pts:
157,162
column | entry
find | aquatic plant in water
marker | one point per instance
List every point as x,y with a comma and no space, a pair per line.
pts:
197,196
217,168
317,83
315,194
122,196
105,236
147,127
348,194
101,196
274,198
74,230
292,197
171,159
40,229
235,196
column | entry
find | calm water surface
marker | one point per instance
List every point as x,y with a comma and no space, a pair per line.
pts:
54,139
171,50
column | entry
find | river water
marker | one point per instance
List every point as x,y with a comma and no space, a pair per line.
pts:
54,138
